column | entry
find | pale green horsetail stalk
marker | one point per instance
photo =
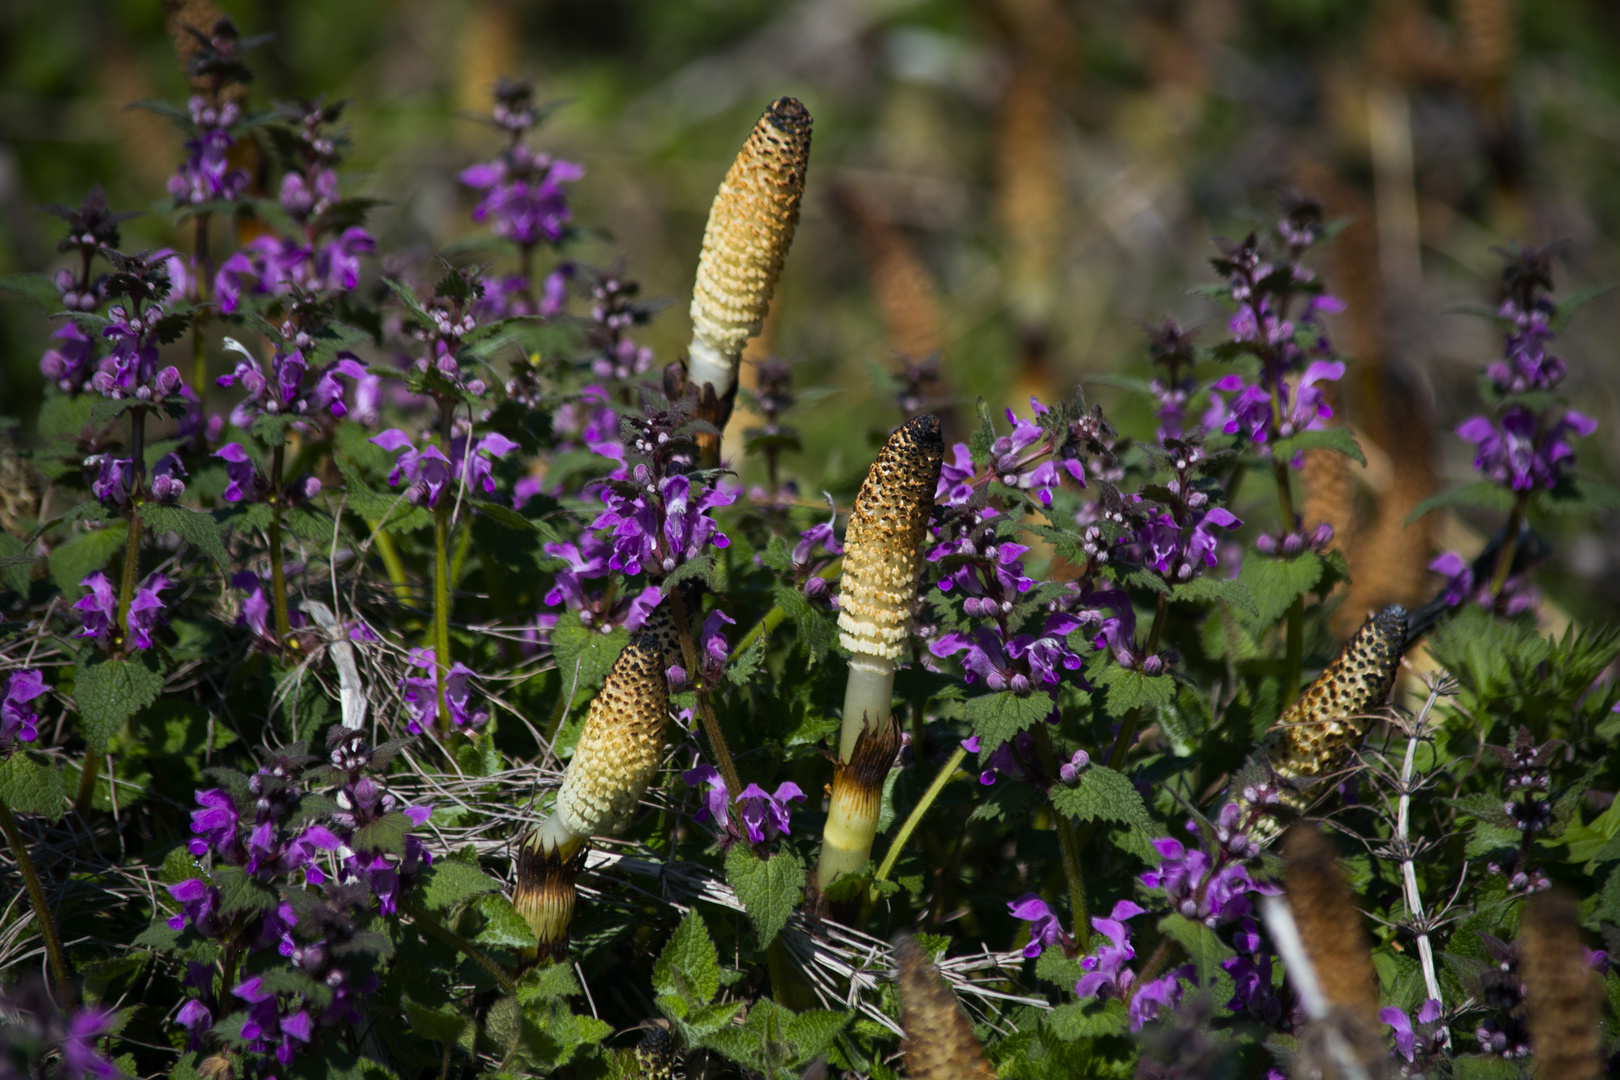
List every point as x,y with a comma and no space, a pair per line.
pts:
883,560
750,227
939,1041
616,758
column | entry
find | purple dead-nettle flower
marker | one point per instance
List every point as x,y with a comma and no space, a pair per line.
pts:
713,650
1415,1041
426,472
422,698
1015,760
1179,550
256,613
765,816
1255,995
243,482
167,482
19,720
1106,972
1045,930
92,230
715,799
284,388
1022,663
1518,595
1163,993
522,194
1213,891
1527,308
614,312
145,612
70,361
98,609
605,609
114,475
1521,452
215,828
268,1028
207,174
806,568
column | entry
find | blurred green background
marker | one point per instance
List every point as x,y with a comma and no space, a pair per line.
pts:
1014,183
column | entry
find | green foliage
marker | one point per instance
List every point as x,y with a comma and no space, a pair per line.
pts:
76,559
769,887
1276,583
1102,794
109,693
997,718
30,784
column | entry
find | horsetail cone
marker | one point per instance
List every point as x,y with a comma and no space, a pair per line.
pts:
883,558
615,759
1316,736
619,751
939,1042
750,227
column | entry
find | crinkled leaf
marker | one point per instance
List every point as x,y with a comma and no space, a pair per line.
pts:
1480,495
998,718
1128,688
31,785
1338,439
109,693
449,882
1229,592
198,529
1274,584
770,888
386,834
1077,1020
17,560
503,926
818,631
38,289
1102,794
689,966
380,509
583,653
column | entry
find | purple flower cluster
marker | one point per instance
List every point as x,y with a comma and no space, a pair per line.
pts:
807,567
41,1039
1418,1042
522,189
1045,929
422,696
287,386
1519,594
207,174
1172,347
19,720
135,329
1034,457
764,814
605,609
428,474
1522,450
98,612
1107,974
250,825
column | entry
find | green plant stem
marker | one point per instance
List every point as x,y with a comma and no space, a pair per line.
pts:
1510,548
459,943
392,563
1293,656
1068,843
42,909
89,770
458,561
278,573
441,608
909,826
711,723
132,547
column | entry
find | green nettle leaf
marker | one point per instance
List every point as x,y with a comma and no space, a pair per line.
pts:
1228,592
1130,689
584,654
442,1025
380,509
769,888
78,558
689,966
449,882
38,289
386,834
31,785
503,926
1276,583
1333,438
198,529
1102,794
777,555
1202,946
818,631
998,718
111,692
1072,1021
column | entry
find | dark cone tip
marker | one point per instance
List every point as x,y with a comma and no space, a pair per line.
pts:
925,429
788,114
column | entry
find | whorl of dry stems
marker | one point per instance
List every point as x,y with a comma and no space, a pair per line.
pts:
1330,928
883,548
655,1055
545,892
1318,733
1563,997
619,750
750,227
939,1042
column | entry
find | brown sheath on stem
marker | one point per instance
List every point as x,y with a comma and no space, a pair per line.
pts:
939,1042
1564,998
545,891
857,799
